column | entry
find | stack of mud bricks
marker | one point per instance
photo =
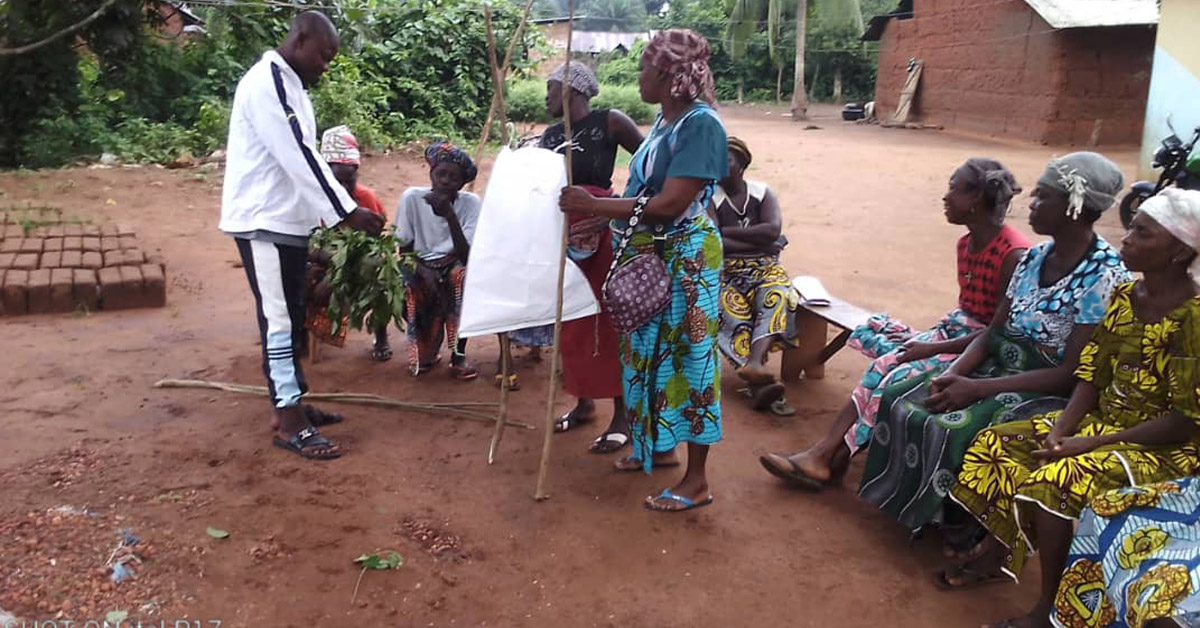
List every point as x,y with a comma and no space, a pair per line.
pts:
68,267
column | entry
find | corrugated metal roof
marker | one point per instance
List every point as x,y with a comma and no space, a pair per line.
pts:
1095,13
604,41
1057,13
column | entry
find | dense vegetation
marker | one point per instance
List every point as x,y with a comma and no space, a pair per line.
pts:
409,70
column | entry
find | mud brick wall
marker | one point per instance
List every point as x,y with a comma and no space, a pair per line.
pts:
66,267
997,68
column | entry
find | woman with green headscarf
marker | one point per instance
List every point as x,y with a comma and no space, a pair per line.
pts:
1022,365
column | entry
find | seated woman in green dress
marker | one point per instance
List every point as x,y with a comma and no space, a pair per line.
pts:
1023,365
1131,419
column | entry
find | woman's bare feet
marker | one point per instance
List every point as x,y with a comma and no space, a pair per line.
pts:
658,460
756,374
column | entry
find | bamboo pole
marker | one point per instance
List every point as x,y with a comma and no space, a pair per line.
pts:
454,410
498,93
540,494
502,415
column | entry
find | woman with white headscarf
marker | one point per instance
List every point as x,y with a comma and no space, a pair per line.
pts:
1131,421
1023,364
591,369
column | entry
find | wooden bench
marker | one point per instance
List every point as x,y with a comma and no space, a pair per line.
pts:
812,322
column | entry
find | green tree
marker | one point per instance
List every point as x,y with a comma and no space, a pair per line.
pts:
820,39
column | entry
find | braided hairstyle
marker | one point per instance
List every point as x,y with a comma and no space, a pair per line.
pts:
997,183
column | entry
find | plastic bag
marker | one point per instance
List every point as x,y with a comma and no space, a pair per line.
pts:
512,275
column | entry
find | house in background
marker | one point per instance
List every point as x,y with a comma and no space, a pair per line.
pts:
600,42
1049,71
593,43
1175,83
178,21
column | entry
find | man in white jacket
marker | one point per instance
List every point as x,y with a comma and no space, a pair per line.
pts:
277,190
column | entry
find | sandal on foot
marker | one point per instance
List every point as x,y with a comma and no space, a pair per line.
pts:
463,372
631,463
782,408
609,442
569,421
764,396
969,548
427,366
309,444
381,353
320,418
969,578
663,502
788,471
513,384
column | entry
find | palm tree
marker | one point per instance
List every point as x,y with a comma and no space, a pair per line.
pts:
746,15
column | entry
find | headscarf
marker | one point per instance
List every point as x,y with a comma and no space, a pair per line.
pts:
442,151
999,186
683,54
738,147
1178,211
338,146
1090,180
582,79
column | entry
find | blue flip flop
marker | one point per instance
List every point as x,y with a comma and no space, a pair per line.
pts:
668,495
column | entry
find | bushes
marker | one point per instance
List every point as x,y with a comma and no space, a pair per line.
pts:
407,71
526,102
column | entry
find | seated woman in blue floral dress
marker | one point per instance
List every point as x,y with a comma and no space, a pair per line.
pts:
1131,421
1022,365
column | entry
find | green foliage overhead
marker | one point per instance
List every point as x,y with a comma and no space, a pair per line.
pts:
407,71
603,15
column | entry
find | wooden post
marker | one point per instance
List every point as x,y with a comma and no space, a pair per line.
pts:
501,72
502,417
540,494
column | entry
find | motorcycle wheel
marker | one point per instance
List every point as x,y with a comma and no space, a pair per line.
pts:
1129,207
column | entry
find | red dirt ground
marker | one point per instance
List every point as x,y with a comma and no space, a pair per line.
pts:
84,428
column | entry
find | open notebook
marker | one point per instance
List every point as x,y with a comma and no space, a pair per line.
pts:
811,291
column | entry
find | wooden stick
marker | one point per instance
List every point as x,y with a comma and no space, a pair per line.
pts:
434,408
498,93
314,347
497,76
502,416
540,494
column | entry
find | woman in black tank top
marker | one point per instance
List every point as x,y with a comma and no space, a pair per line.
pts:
756,311
591,366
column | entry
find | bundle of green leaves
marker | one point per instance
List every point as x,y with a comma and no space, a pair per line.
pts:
365,275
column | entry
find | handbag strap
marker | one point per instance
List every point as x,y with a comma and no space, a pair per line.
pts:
635,219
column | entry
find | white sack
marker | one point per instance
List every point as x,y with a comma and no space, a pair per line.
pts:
512,276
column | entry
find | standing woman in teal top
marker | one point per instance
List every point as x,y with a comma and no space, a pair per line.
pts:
673,396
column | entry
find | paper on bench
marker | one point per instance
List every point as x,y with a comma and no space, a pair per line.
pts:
512,278
811,291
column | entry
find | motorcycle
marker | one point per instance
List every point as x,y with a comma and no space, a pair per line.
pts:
1179,168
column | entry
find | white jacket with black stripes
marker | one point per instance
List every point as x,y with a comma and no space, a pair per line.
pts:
275,179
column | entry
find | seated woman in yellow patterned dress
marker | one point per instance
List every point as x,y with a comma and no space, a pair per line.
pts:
755,311
1131,420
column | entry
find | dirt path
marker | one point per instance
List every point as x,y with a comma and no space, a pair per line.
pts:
82,427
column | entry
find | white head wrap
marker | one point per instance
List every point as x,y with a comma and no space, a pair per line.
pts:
339,146
1178,211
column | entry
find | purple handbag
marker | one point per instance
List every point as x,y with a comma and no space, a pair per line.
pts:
640,288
